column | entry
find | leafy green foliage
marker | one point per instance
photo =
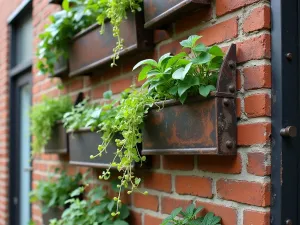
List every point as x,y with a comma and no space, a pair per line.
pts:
115,11
54,192
57,36
183,75
189,217
44,116
90,211
127,121
88,115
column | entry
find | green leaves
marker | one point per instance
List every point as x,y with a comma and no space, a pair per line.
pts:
205,90
150,62
190,42
181,72
189,217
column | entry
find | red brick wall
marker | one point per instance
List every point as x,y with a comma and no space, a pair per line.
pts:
235,188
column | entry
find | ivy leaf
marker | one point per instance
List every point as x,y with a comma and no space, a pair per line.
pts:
150,62
107,95
183,97
215,50
137,181
143,73
190,42
205,90
173,90
182,87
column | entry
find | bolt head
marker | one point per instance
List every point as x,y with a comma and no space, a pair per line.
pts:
226,102
289,56
231,88
229,144
288,222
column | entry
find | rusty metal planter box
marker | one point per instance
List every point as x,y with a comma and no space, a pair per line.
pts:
83,143
91,50
161,12
58,141
61,68
201,125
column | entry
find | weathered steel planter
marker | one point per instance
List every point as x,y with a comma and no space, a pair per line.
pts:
61,68
83,143
91,50
201,125
53,213
58,141
159,13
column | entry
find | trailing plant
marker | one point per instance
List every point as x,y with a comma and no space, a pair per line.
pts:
44,116
115,11
96,209
89,115
190,73
65,24
189,217
185,74
54,192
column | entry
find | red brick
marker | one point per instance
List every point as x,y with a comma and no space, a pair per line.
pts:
192,185
257,164
251,193
220,32
220,164
75,85
257,77
193,19
254,48
145,201
258,105
175,162
227,214
256,218
250,134
135,218
168,204
97,92
226,6
120,85
158,181
238,103
259,18
151,220
160,35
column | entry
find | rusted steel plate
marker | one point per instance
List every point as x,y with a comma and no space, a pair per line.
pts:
159,13
201,125
58,141
84,143
61,68
90,49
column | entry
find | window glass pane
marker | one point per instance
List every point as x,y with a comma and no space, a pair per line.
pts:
23,40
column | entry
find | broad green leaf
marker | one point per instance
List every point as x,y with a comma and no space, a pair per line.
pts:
200,48
107,94
163,57
190,42
205,90
172,61
150,62
124,212
215,50
183,97
175,212
182,87
216,62
137,181
120,222
143,73
111,205
203,58
178,74
173,90
65,5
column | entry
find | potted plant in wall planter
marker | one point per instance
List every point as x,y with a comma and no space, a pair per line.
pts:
120,31
189,87
53,193
53,48
84,135
47,127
